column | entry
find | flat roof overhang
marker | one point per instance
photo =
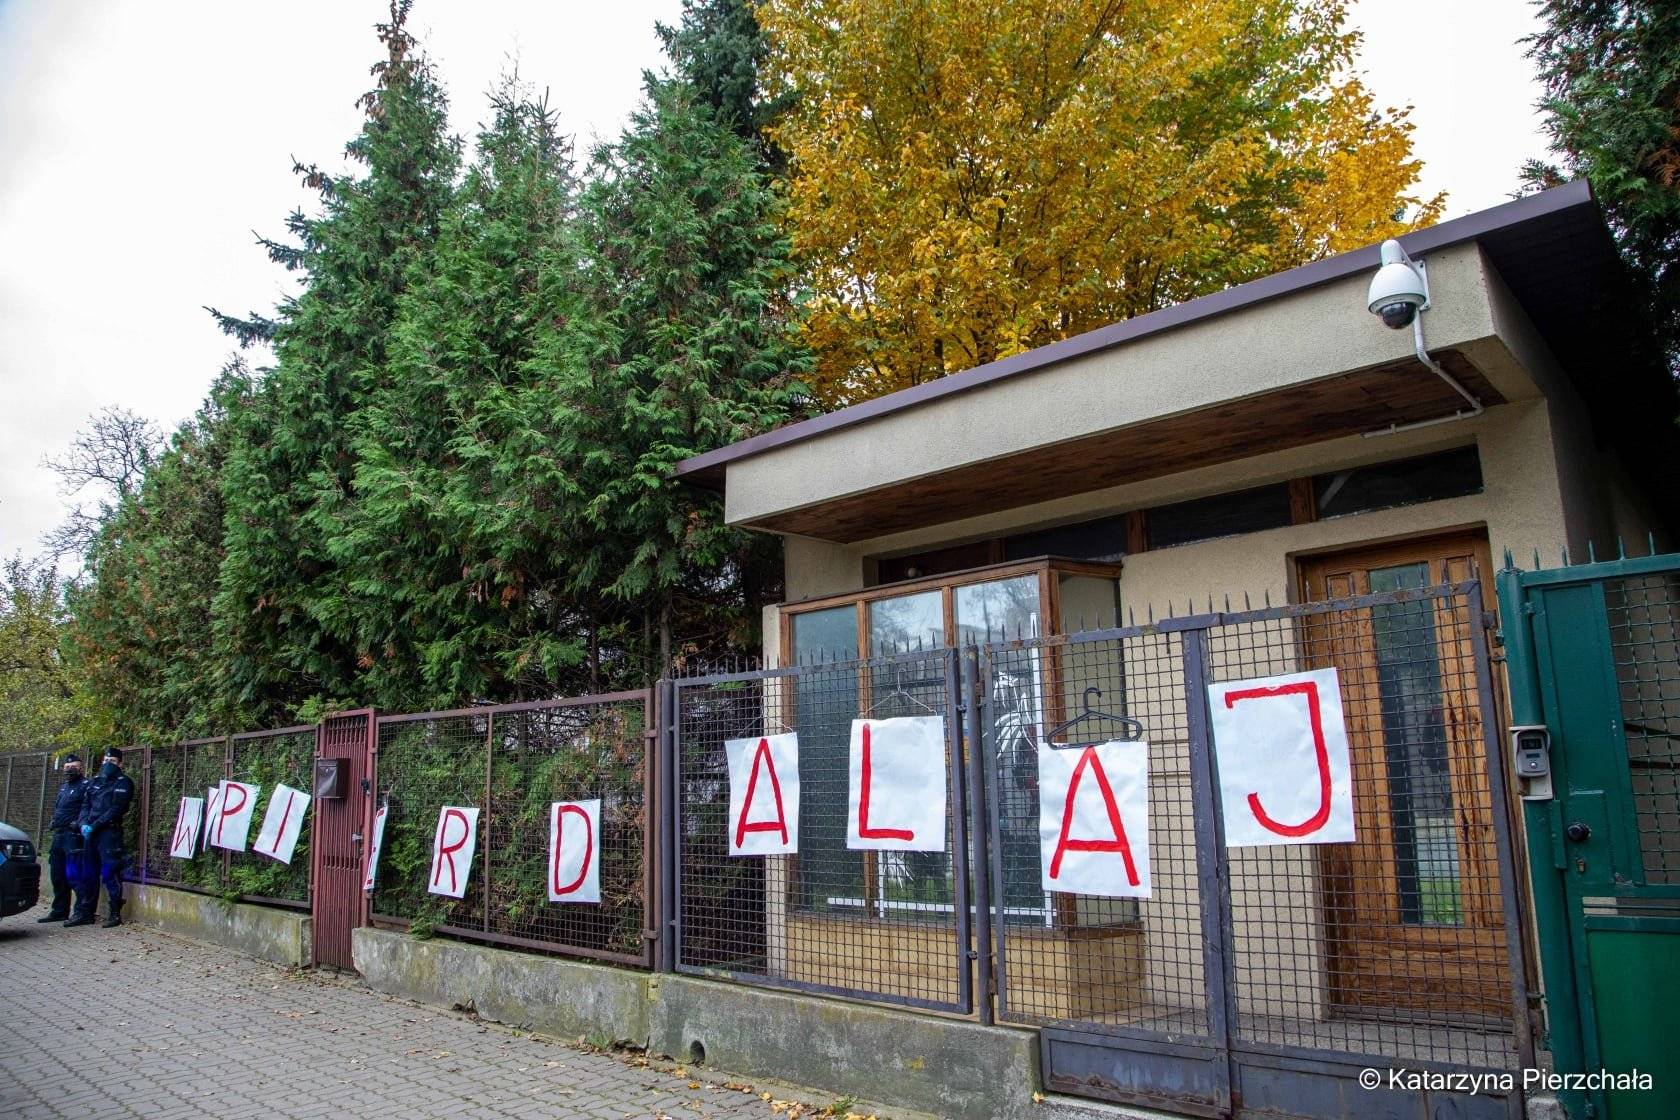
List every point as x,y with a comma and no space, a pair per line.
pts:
1283,361
1399,392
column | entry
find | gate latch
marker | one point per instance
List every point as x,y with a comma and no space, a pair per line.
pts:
1531,747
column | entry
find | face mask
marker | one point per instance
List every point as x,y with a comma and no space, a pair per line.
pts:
73,775
109,770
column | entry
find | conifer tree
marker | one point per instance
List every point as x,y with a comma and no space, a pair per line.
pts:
284,623
681,344
718,48
455,546
1612,76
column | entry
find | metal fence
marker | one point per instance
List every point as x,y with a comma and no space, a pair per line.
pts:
1244,962
513,761
189,769
887,926
27,797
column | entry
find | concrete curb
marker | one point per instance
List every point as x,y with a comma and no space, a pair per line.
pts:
283,937
926,1063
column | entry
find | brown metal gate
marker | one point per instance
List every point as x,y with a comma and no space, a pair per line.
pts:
340,824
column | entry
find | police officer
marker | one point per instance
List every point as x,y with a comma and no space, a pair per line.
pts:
107,801
66,837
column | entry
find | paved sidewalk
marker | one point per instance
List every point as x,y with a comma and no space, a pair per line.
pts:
131,1022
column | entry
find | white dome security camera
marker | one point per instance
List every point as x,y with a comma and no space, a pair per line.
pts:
1398,290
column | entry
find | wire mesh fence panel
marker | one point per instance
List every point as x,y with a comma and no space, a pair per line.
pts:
1644,616
1393,945
547,754
190,769
27,804
426,763
267,760
1134,964
136,761
888,925
165,786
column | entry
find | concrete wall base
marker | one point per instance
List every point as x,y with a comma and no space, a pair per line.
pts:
945,1067
283,937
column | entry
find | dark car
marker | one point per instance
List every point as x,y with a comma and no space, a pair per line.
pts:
20,872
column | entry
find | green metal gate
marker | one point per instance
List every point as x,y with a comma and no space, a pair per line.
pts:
1594,658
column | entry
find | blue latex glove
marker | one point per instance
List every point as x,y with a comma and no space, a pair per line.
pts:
87,830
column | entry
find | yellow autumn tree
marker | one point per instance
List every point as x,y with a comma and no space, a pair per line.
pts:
972,178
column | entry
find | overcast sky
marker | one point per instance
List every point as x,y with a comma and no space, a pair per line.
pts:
140,143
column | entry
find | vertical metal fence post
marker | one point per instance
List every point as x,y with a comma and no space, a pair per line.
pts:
227,775
1516,949
6,798
487,837
670,830
967,953
974,749
41,809
1213,869
145,832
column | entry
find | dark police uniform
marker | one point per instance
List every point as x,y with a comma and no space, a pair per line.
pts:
107,802
66,839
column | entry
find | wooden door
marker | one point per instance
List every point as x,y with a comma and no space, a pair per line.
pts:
1413,914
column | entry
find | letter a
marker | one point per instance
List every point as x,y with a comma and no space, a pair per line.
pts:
779,825
1118,842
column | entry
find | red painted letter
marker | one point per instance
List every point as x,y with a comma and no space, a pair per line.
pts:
221,821
1119,843
180,828
1316,821
560,812
285,818
446,850
864,831
742,827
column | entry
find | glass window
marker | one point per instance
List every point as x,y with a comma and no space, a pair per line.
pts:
1102,539
999,608
906,623
825,699
1415,741
829,635
1428,478
1223,515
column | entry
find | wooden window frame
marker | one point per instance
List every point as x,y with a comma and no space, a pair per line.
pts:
1048,569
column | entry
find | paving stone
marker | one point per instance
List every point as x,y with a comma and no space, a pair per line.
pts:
132,1022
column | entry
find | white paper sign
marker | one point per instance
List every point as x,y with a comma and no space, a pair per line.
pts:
897,791
231,823
212,806
1093,819
184,843
377,842
282,823
574,851
452,850
1282,749
763,795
